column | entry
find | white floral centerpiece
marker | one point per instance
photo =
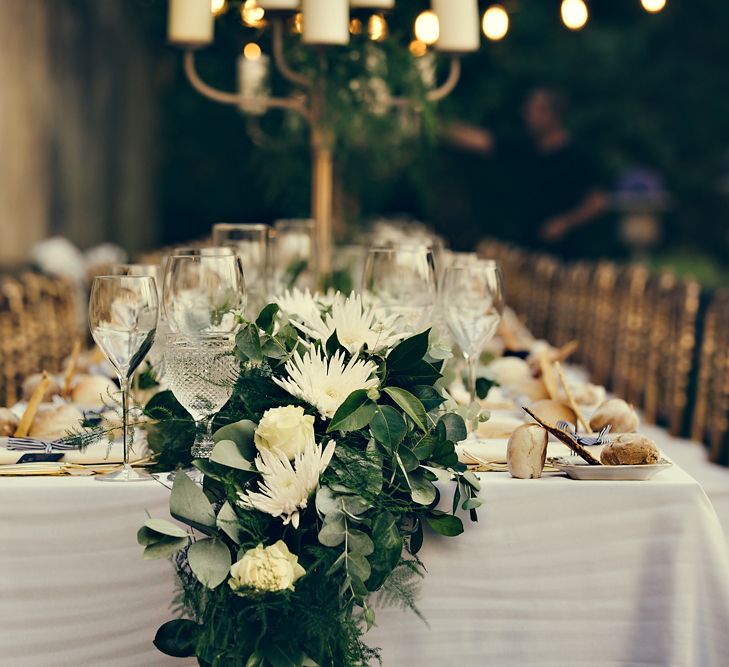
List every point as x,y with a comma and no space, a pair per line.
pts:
317,493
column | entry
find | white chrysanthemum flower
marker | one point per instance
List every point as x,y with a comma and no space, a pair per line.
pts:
326,383
357,325
286,486
299,306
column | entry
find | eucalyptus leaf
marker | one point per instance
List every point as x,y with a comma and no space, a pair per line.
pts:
248,342
355,413
472,503
359,542
189,504
358,566
227,521
332,534
327,503
471,479
226,453
354,505
165,527
337,564
410,405
242,434
388,427
455,427
210,561
164,547
422,491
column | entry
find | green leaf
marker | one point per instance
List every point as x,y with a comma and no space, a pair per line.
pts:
267,317
409,461
409,352
409,404
455,427
355,413
388,427
332,534
209,561
424,447
388,549
422,491
283,656
416,539
227,521
354,505
164,547
359,542
189,504
472,480
165,528
358,566
226,453
483,386
445,524
256,659
472,503
242,434
423,373
327,503
337,564
429,396
333,345
177,638
248,342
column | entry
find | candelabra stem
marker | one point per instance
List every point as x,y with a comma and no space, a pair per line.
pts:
279,56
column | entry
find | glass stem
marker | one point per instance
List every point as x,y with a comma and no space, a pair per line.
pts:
210,428
471,363
125,385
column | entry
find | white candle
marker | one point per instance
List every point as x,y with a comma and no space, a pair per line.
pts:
253,81
459,29
372,4
273,5
325,21
190,22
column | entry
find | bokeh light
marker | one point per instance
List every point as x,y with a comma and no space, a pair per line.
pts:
218,7
653,6
252,51
427,28
251,14
574,14
377,27
495,22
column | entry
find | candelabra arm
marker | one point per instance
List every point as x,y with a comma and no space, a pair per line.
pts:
437,94
279,56
447,87
224,97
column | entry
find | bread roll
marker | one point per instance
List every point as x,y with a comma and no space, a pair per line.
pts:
554,411
32,381
8,422
532,388
527,451
498,427
630,449
616,412
55,421
509,371
93,391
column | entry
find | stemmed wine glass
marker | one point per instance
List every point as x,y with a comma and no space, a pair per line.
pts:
472,302
401,281
123,315
204,294
251,242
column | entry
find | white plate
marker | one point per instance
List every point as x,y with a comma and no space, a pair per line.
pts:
579,469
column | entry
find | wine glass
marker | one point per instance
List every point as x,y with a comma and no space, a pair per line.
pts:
123,315
401,281
250,241
472,302
293,250
201,373
204,291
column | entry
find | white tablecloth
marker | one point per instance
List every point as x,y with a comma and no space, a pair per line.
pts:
74,589
559,572
555,573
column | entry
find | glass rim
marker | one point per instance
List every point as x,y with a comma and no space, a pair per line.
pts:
258,226
206,251
294,222
123,277
414,247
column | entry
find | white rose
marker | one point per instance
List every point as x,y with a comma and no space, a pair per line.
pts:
267,569
285,429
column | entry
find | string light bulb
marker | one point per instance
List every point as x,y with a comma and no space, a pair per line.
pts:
355,27
377,27
418,48
251,14
653,6
495,23
297,23
218,7
574,14
252,51
427,28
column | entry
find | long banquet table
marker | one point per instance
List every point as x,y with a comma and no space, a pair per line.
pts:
556,572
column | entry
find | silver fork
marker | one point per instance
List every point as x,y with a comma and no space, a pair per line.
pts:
586,441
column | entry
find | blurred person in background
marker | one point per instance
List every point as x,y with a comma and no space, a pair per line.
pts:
558,203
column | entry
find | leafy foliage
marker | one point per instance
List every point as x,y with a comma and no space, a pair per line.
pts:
357,535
